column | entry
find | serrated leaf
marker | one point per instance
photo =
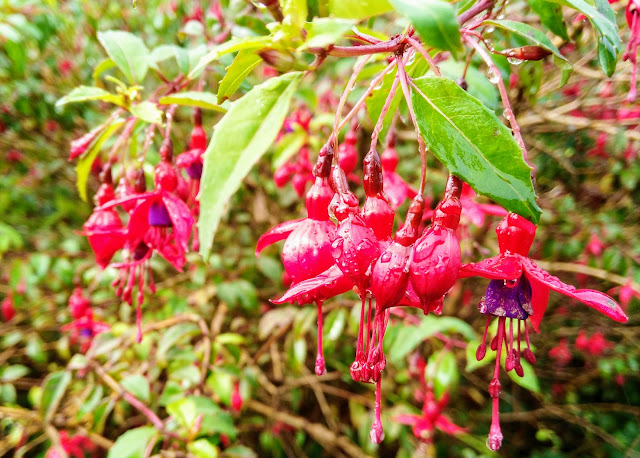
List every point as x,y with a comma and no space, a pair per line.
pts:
539,38
242,65
86,160
234,45
85,93
322,32
147,111
133,443
241,137
53,389
358,9
473,144
138,386
609,44
550,16
128,52
193,99
434,20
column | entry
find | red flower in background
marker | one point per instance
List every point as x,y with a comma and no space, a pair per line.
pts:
432,418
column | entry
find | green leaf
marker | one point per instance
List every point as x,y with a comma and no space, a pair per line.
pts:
539,38
358,9
479,86
138,386
241,137
442,371
529,381
323,32
287,146
242,65
103,66
133,443
233,45
147,111
473,144
202,448
295,13
53,389
128,52
193,99
14,372
173,335
609,44
35,349
91,402
408,338
84,93
86,160
550,16
434,20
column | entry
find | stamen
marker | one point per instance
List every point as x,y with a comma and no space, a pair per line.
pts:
321,368
482,348
510,360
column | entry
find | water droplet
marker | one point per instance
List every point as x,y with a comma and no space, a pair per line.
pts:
411,59
489,29
500,16
489,45
510,283
493,76
386,257
378,87
508,114
514,60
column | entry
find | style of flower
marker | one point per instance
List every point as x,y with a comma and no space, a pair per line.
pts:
432,418
519,290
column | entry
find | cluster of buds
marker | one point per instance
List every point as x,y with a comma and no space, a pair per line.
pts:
136,222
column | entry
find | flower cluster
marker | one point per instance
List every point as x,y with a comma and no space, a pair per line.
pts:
83,327
138,223
341,246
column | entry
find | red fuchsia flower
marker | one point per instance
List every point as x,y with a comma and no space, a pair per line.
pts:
631,53
7,309
307,252
561,353
599,149
160,222
104,229
396,189
80,145
77,446
236,397
436,255
65,66
476,212
595,247
432,418
83,328
348,154
625,293
594,345
519,290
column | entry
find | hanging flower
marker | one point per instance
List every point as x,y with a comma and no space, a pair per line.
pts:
432,418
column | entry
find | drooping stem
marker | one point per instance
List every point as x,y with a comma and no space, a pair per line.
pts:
383,112
404,83
418,47
343,99
363,98
508,112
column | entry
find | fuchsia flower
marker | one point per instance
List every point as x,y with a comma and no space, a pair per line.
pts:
594,345
307,249
432,418
348,154
561,353
83,328
519,290
160,222
77,446
236,397
104,229
625,293
631,53
599,149
476,212
7,309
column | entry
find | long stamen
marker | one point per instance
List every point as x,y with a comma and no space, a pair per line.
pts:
321,368
528,354
482,348
510,361
518,367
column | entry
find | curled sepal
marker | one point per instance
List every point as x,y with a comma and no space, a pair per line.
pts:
280,232
496,268
328,284
594,299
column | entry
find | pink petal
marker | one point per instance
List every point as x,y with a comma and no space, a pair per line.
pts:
138,225
503,267
328,284
181,218
445,425
280,232
406,419
189,157
472,211
595,299
174,254
490,209
539,301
